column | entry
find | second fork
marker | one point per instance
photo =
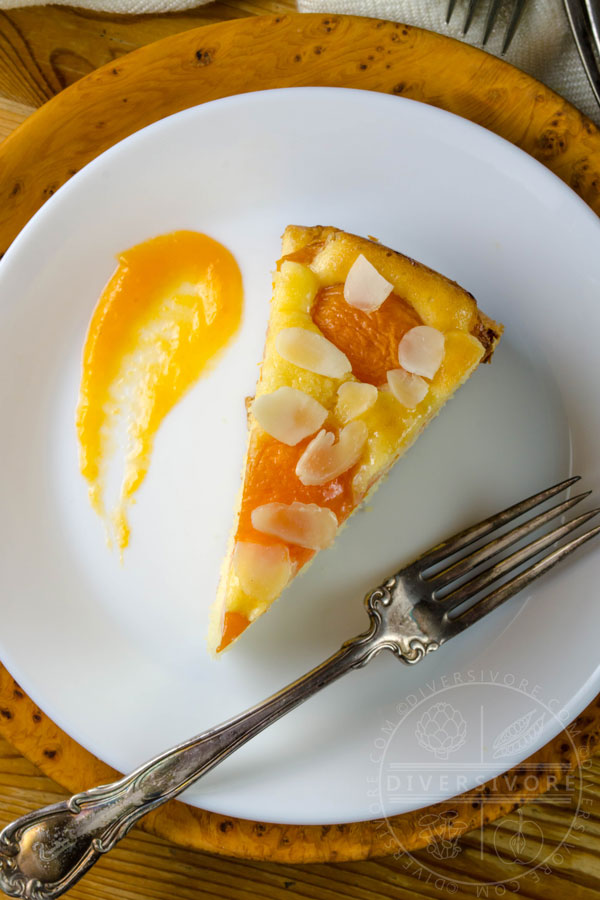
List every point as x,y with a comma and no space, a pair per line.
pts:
492,15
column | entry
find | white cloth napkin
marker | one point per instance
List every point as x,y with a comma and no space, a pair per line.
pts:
543,45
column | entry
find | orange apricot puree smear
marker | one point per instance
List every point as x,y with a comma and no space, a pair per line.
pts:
172,305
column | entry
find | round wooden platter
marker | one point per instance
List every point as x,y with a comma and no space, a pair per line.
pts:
249,55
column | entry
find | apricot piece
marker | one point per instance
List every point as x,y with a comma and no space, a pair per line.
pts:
233,625
369,340
271,478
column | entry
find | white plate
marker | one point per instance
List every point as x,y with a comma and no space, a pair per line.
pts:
116,654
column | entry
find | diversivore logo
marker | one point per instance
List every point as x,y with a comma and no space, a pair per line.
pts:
473,732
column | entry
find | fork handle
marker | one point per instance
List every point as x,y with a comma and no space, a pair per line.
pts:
44,853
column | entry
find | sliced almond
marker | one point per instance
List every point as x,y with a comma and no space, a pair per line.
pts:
289,415
354,399
263,571
365,288
324,458
310,350
304,524
408,389
421,350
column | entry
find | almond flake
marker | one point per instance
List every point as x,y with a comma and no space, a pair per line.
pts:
408,389
354,399
289,415
323,460
263,571
365,288
304,524
310,350
421,350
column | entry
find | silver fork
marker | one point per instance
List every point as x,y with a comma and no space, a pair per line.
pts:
494,6
412,614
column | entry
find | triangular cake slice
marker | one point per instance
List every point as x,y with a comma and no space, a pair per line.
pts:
364,347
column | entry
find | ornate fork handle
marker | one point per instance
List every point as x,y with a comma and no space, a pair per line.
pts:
44,853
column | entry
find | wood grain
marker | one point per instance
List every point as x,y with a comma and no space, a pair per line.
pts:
11,115
41,53
191,68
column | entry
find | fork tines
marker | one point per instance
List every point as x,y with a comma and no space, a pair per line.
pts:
584,19
494,6
447,583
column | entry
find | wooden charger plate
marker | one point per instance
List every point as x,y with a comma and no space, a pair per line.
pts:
250,55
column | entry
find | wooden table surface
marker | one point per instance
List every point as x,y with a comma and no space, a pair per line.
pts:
42,51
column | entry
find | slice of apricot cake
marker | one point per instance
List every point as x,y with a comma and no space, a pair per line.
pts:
364,346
